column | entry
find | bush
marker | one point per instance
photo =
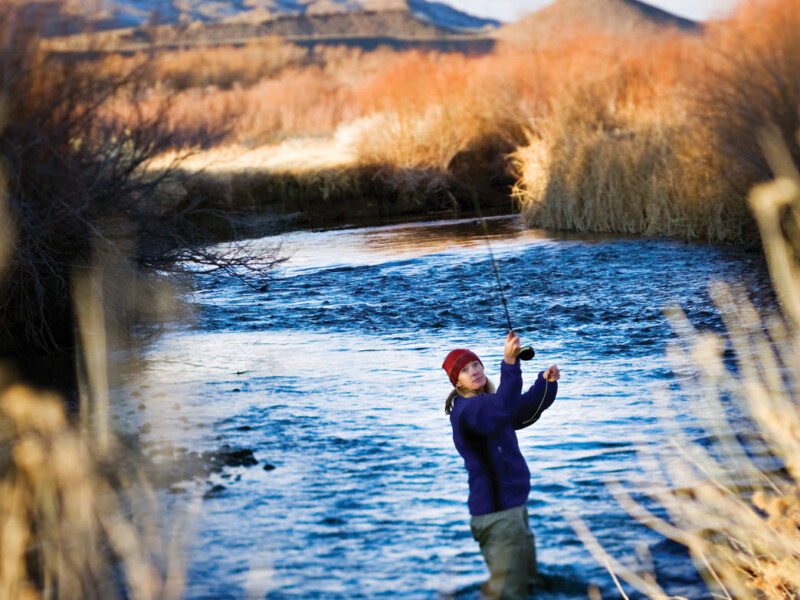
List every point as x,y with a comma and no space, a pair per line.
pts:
749,78
77,522
77,184
663,138
623,153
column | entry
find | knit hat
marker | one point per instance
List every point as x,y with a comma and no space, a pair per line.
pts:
457,360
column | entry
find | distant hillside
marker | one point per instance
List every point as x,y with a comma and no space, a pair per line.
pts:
339,25
618,17
139,12
366,24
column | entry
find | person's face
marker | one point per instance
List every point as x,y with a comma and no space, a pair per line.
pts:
472,377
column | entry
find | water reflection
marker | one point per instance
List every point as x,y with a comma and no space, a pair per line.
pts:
399,242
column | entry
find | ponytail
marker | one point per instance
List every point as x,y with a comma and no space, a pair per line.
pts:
448,404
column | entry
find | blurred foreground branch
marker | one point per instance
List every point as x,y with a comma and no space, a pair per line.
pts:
74,524
732,492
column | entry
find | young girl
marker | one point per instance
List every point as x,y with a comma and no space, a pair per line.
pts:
485,421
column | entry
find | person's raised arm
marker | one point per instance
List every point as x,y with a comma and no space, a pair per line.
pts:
539,397
489,412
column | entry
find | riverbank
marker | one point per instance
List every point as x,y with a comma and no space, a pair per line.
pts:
595,131
319,182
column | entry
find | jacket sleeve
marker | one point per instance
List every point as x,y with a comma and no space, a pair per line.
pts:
535,401
488,413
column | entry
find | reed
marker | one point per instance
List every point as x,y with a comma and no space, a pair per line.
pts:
660,140
226,67
623,153
645,179
750,77
266,105
71,519
426,108
732,491
616,133
428,121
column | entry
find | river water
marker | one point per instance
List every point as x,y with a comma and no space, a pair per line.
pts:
331,375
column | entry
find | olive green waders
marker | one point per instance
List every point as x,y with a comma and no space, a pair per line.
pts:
507,546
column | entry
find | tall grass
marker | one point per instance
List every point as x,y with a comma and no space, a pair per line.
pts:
226,67
732,492
435,121
405,116
623,151
429,120
749,78
643,134
660,140
426,108
73,521
423,108
260,94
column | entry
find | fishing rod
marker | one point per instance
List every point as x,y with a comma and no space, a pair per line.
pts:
526,352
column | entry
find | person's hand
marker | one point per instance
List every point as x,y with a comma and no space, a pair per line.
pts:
511,349
552,373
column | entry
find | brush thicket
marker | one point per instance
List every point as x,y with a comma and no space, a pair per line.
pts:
78,519
622,152
661,139
74,523
649,135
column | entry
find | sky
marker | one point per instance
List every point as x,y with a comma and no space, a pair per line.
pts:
510,10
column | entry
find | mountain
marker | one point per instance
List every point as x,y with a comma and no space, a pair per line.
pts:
617,17
364,29
129,13
444,15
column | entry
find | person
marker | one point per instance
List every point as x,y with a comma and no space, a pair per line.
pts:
485,421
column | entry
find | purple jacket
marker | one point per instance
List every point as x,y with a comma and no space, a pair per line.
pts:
484,434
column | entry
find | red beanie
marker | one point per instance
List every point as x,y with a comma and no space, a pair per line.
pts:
457,360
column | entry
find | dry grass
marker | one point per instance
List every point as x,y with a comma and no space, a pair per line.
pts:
260,94
404,117
749,78
429,120
71,519
650,179
223,67
660,140
615,133
426,120
623,153
227,67
426,108
734,502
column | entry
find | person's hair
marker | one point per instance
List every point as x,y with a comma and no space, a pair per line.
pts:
488,388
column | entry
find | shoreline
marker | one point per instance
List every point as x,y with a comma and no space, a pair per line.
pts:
317,184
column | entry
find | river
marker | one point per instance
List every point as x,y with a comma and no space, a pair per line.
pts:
332,375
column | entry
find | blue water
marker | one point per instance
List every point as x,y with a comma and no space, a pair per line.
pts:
332,375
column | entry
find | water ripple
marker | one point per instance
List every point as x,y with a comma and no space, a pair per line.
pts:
337,364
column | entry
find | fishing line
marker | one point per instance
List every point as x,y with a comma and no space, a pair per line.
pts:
526,352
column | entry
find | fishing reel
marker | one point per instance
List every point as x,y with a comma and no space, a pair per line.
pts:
526,353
